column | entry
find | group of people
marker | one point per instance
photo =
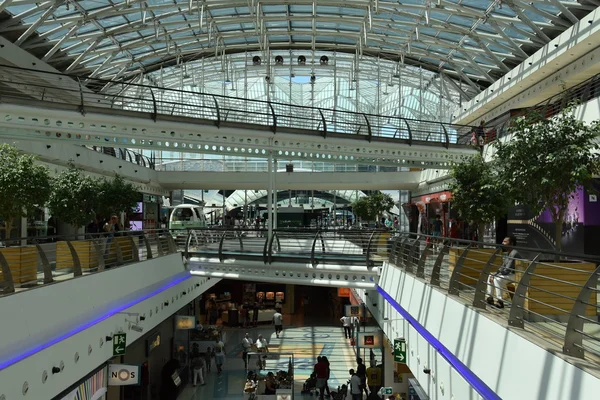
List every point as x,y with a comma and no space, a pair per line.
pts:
202,362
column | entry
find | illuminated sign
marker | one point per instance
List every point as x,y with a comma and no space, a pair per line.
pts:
152,342
185,322
123,375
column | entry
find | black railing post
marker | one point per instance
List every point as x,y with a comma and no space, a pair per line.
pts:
155,109
218,111
324,123
410,137
274,126
369,131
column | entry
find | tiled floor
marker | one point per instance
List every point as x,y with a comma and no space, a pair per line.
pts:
306,342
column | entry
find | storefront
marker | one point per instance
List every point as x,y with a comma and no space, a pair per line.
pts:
92,387
428,207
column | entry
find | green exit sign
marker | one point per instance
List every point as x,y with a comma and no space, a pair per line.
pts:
119,344
400,351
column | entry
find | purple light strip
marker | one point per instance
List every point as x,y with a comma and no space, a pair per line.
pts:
480,387
15,359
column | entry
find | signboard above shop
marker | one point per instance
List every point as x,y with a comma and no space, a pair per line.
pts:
185,322
123,375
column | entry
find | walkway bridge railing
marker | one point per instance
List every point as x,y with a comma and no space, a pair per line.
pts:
361,247
554,295
30,262
84,93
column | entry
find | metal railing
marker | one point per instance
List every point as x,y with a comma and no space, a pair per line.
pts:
580,93
31,85
126,155
556,299
315,246
27,263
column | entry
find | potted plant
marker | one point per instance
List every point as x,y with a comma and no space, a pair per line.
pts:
372,207
478,195
116,196
24,185
544,161
73,199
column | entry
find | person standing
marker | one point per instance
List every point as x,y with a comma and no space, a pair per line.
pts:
347,324
355,389
278,321
361,371
321,371
262,346
208,359
198,366
246,346
219,355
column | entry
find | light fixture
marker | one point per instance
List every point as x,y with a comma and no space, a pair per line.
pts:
301,60
324,60
278,60
256,60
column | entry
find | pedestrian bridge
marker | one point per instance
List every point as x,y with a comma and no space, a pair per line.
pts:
330,257
49,107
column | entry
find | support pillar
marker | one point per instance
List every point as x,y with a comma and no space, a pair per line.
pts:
270,196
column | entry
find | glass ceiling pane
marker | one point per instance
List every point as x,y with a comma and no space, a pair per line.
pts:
464,40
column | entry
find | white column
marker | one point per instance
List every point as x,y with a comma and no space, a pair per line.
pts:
270,196
275,193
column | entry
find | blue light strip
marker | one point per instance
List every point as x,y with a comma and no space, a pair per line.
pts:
15,359
484,390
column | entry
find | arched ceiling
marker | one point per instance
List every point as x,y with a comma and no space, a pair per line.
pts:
471,43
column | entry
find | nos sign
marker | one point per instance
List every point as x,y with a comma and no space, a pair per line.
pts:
123,375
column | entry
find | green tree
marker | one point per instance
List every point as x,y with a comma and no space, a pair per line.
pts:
547,160
74,196
373,206
478,194
116,196
24,185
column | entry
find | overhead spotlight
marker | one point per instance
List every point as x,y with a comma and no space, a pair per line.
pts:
108,338
313,78
278,60
136,328
324,60
301,60
256,60
268,79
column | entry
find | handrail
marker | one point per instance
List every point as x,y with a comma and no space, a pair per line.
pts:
75,255
540,293
208,107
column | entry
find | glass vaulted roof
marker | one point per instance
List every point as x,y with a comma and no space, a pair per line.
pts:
468,44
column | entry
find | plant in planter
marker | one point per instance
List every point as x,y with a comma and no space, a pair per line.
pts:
24,185
372,207
547,160
116,196
73,200
478,194
74,197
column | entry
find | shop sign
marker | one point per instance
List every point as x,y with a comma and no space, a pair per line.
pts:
123,375
185,322
119,344
400,351
152,342
370,340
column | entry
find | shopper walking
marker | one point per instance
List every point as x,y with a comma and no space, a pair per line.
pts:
198,366
278,321
219,355
247,347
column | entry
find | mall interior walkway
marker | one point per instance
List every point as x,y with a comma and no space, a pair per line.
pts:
312,331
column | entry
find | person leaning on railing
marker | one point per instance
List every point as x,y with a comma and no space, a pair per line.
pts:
506,274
